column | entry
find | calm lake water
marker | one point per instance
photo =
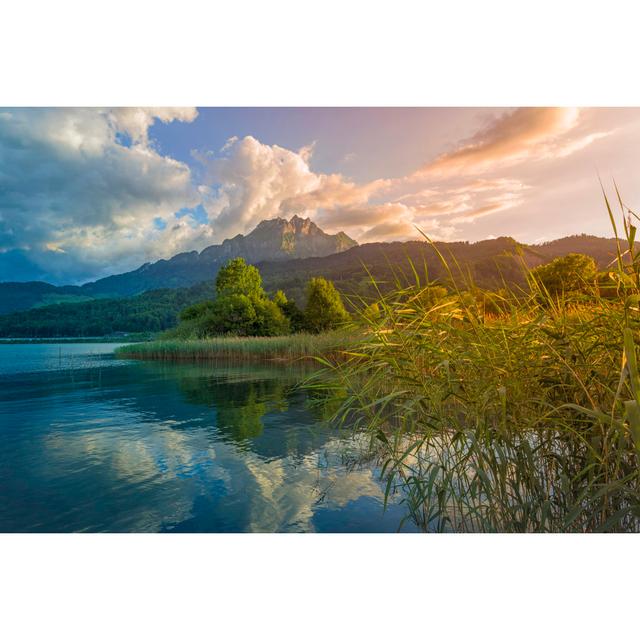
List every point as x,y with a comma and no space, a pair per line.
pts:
93,443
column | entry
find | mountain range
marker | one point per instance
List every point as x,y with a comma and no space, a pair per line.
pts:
287,253
273,240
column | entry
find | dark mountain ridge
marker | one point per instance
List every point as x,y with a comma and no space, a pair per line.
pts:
276,239
488,263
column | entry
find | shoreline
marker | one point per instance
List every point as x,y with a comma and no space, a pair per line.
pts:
96,340
278,349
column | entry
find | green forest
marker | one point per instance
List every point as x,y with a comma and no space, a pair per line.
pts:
148,312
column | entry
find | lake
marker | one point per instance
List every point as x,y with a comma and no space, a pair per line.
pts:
93,443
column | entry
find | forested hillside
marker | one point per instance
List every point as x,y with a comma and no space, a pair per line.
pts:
488,263
151,311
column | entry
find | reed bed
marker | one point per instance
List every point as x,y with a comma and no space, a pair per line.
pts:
509,412
281,348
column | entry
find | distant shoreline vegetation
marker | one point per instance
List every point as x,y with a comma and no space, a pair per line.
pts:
286,349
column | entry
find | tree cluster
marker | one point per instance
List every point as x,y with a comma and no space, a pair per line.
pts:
243,308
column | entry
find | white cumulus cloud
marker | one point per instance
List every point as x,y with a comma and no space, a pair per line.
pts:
74,200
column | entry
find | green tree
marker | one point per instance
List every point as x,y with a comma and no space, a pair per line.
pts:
234,313
270,319
239,277
291,311
573,273
280,298
197,310
324,310
295,316
240,308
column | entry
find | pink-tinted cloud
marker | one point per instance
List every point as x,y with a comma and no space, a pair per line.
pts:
363,216
521,134
334,191
404,228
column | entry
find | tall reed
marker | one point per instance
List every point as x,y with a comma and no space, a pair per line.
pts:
515,411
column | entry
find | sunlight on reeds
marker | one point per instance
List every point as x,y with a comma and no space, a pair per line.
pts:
509,411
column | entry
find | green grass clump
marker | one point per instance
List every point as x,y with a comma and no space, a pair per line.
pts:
281,348
516,411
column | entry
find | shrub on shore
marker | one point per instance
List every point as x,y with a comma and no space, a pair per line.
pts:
572,273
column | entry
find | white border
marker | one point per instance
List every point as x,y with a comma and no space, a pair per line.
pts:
318,53
335,52
318,586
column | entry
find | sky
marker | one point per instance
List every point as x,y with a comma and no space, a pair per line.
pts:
88,192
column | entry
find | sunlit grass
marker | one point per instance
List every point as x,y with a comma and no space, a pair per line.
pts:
513,411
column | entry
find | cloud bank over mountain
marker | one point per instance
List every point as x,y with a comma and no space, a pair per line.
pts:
258,181
87,192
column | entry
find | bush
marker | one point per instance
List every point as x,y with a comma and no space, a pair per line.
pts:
280,298
234,313
573,273
270,320
241,307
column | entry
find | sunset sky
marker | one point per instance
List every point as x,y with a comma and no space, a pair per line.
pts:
89,192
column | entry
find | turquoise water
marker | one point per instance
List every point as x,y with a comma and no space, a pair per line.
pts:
93,443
